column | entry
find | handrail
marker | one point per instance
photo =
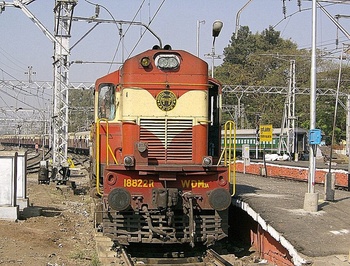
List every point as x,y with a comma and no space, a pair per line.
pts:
98,153
108,149
114,158
228,127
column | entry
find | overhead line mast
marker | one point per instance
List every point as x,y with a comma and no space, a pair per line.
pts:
63,21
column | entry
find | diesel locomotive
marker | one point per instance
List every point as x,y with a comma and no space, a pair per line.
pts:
156,151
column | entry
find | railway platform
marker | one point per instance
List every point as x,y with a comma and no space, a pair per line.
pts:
311,238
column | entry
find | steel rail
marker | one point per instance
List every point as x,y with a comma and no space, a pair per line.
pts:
218,258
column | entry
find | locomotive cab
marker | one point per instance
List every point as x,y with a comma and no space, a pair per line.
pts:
156,151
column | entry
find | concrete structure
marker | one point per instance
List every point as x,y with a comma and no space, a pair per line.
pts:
8,184
22,200
282,231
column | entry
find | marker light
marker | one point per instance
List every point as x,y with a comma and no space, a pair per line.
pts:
145,61
222,181
111,178
207,161
129,160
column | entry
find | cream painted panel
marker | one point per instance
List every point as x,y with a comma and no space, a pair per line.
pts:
139,103
96,106
118,108
191,104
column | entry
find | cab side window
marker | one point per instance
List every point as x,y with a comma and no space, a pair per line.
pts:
106,101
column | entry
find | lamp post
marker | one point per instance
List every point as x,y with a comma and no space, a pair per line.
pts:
199,22
311,197
217,26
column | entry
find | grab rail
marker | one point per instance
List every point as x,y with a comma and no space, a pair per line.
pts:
228,151
108,150
98,138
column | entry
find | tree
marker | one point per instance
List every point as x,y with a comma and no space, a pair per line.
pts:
260,59
258,55
263,59
80,110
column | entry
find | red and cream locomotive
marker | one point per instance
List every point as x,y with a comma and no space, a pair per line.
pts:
156,147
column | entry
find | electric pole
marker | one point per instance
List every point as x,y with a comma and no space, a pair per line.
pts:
30,73
63,22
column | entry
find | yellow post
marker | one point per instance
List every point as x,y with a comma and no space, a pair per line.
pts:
228,150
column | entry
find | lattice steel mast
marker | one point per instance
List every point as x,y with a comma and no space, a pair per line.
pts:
288,120
63,21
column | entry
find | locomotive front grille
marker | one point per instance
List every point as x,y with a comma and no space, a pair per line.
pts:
168,139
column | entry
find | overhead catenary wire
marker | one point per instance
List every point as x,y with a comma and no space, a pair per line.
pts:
319,44
122,35
22,89
118,27
155,14
12,60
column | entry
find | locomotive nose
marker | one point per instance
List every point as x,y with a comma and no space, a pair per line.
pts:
119,199
219,199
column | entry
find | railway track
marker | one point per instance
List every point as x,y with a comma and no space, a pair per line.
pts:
111,254
33,160
217,259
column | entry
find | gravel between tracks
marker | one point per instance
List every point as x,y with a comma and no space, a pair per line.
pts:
62,235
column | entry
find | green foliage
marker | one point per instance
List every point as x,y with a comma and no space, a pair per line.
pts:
264,59
259,59
80,110
95,261
91,258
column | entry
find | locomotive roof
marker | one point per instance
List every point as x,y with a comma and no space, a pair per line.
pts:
131,62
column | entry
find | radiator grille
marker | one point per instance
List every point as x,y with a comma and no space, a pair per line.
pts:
168,139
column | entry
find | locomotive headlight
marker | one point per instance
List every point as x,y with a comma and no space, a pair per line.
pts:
129,160
167,61
207,161
145,61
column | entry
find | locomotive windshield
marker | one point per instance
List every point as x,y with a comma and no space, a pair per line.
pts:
106,101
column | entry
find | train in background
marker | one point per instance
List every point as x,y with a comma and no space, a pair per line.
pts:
24,141
156,144
249,137
78,142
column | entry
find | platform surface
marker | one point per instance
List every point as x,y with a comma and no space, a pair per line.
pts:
322,236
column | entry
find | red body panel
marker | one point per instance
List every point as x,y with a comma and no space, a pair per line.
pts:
153,160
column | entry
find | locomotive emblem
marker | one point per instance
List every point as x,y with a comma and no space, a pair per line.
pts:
166,100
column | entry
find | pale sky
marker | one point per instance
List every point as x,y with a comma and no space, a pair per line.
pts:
22,44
